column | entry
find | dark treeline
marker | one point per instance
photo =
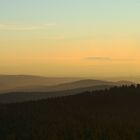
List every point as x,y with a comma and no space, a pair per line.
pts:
100,115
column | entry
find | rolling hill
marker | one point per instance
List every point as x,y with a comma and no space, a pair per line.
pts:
22,88
10,82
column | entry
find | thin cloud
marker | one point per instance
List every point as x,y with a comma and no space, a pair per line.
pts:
18,27
55,38
50,24
99,58
112,59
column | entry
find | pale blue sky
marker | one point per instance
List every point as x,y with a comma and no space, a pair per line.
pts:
77,17
69,11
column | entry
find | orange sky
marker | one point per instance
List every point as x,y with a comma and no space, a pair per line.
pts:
71,57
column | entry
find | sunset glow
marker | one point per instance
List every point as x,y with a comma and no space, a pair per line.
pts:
70,38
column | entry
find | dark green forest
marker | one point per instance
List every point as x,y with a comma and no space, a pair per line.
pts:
111,114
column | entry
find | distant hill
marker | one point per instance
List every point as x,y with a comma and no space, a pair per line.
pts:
9,82
27,83
64,86
20,88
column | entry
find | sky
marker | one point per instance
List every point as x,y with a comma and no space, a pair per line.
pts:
82,38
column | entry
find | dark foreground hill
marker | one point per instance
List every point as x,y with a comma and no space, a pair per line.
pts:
100,115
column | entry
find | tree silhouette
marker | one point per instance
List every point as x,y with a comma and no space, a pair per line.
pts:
111,114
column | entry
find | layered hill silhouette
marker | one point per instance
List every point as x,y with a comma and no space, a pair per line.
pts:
11,82
20,88
27,83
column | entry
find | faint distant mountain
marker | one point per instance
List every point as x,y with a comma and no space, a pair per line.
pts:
125,83
28,83
64,86
59,91
135,79
9,82
19,88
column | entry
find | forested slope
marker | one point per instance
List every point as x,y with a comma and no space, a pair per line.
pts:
100,115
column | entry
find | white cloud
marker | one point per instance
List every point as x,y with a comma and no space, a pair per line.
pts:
18,27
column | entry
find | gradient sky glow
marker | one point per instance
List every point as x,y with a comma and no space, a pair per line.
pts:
70,37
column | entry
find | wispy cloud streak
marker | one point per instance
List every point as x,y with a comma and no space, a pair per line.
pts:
18,27
99,58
